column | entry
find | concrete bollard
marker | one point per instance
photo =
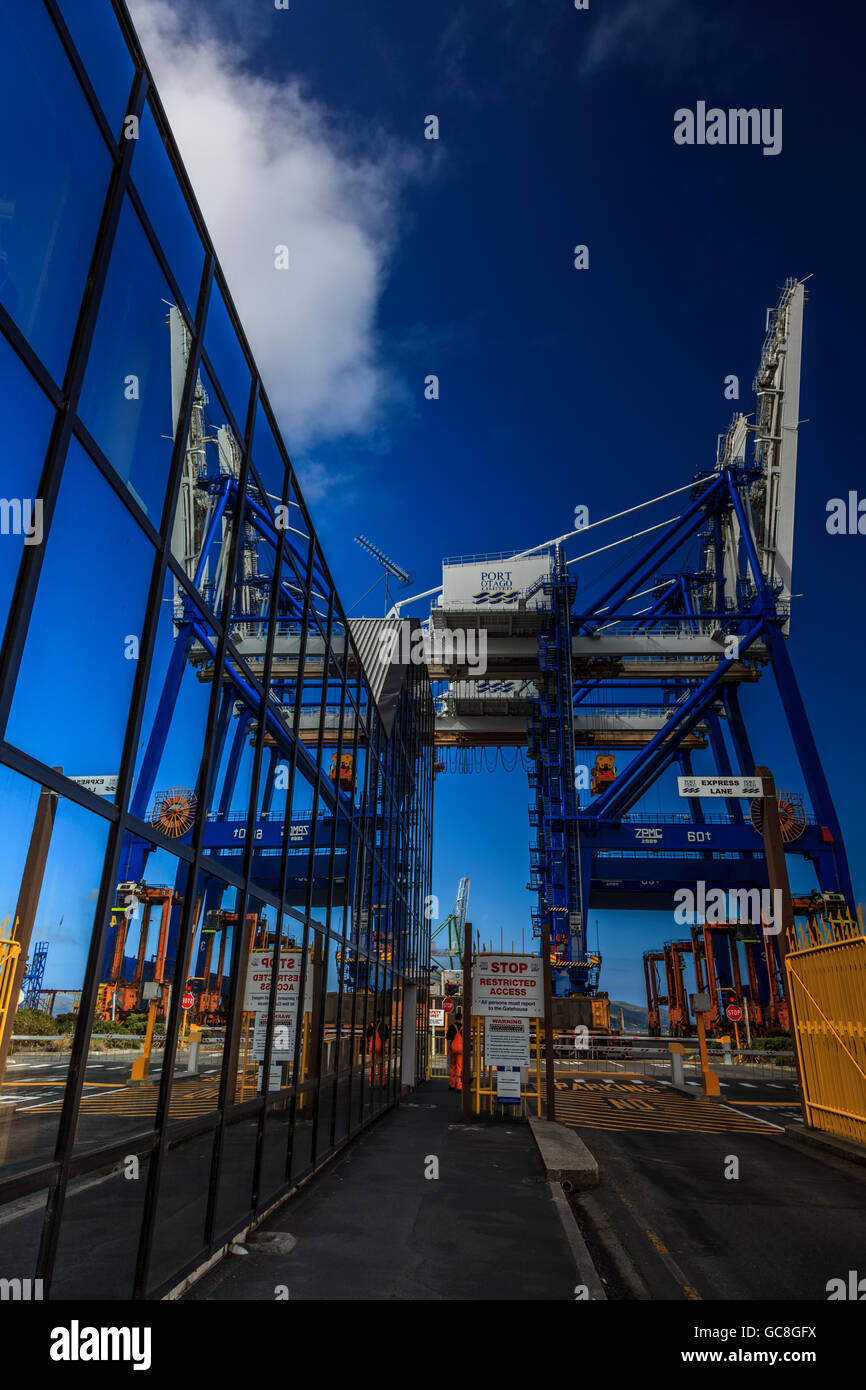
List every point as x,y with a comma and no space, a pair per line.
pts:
194,1042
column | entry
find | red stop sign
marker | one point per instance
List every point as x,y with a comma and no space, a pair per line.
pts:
188,1000
448,1005
734,1012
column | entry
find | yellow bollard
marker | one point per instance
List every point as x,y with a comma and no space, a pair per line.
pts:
141,1065
712,1090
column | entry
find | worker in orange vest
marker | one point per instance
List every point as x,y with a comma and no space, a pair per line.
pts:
378,1034
454,1037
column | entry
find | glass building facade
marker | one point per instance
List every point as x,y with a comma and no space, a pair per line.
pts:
215,791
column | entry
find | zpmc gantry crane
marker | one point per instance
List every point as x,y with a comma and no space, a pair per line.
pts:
647,673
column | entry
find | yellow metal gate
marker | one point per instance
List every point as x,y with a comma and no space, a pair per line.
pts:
826,964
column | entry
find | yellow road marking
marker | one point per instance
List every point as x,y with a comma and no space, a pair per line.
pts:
30,1084
187,1100
762,1102
660,1248
647,1107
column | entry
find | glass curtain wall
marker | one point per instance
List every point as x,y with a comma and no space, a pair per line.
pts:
216,856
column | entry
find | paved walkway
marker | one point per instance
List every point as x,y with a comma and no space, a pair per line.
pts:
372,1226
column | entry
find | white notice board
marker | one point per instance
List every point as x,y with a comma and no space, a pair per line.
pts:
506,1042
257,991
508,1085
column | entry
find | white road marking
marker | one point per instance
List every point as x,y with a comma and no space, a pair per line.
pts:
109,1091
760,1120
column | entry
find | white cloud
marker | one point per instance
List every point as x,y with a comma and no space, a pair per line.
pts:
624,31
270,167
317,480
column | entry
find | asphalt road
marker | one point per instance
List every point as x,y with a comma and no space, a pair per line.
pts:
35,1080
33,1090
775,1102
711,1211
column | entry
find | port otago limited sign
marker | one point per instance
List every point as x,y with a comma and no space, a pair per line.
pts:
507,986
494,583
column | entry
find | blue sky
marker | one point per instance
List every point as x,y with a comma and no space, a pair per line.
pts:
605,386
557,387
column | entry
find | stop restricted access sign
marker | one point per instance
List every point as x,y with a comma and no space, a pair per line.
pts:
508,986
448,1005
734,1012
187,1001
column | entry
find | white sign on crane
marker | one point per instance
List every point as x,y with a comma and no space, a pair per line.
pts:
721,786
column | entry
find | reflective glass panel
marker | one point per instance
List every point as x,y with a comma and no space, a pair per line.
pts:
275,1147
134,380
255,571
96,35
226,358
174,727
267,459
136,976
207,502
20,1232
207,978
71,701
51,862
230,783
334,1084
258,954
100,1232
235,1190
167,210
53,179
182,1206
305,1105
27,418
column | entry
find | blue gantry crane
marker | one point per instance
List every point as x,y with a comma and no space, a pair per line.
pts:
646,676
31,983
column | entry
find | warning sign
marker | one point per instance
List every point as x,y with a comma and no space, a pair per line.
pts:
257,993
507,987
506,1042
257,986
